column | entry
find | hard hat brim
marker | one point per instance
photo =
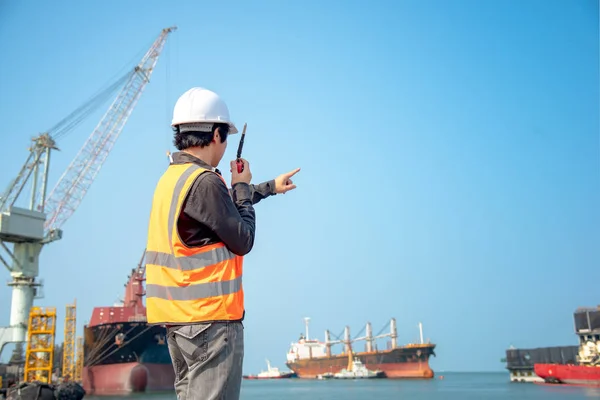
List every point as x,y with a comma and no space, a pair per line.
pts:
232,128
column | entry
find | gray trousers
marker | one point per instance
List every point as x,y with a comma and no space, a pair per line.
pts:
207,359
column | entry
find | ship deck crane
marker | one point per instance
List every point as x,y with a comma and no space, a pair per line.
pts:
29,229
369,338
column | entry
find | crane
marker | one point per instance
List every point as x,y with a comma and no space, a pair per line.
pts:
29,229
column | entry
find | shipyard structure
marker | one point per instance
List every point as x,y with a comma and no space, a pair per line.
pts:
312,358
116,335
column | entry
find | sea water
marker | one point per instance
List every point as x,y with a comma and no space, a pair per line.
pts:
454,386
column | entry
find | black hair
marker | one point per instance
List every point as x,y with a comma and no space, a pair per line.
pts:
189,139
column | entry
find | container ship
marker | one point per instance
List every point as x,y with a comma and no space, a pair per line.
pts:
312,359
586,369
122,353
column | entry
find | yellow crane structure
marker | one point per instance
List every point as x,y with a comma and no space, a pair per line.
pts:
68,365
39,356
79,364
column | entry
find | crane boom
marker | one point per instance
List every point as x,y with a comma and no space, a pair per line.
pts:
77,178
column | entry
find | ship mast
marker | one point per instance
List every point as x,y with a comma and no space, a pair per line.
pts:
369,337
347,340
306,321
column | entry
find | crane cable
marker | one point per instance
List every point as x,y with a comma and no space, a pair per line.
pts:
82,112
67,124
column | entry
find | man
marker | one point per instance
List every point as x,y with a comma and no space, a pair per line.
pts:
198,233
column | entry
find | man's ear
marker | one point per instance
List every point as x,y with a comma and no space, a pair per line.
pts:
216,136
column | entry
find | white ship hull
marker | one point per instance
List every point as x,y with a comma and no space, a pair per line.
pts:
525,376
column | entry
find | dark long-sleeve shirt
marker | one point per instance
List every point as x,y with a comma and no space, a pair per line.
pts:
209,214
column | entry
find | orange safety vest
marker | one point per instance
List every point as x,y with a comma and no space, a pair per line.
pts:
187,284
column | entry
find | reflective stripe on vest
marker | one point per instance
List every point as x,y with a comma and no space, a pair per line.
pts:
187,284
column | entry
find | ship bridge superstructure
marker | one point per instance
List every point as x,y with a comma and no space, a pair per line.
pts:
587,328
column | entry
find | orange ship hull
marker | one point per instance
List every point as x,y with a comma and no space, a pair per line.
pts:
398,363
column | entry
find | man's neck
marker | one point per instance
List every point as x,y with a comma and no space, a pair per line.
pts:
200,154
182,157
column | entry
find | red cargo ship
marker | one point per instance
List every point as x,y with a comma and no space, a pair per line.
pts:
586,371
122,353
310,358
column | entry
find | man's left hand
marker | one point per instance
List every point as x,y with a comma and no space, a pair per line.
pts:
283,182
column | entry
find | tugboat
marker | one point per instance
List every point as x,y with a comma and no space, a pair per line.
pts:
357,370
326,375
271,373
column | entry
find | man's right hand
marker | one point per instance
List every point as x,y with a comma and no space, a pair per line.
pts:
245,176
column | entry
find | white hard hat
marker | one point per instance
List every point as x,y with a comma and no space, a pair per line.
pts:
198,106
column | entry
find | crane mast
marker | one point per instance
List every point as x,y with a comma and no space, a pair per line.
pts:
29,229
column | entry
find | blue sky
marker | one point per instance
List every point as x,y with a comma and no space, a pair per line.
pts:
449,153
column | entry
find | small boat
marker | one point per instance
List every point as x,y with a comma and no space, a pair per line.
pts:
357,370
271,373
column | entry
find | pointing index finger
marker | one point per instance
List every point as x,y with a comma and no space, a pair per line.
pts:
292,173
